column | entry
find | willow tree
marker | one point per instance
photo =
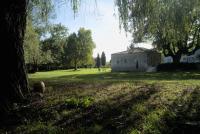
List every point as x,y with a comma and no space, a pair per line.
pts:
87,46
173,25
13,14
32,52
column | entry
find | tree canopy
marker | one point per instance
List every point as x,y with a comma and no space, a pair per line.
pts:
31,45
172,25
55,43
79,48
87,45
41,11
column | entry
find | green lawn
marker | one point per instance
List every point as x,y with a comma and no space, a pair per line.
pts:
89,101
93,75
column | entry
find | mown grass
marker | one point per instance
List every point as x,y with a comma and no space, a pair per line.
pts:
89,101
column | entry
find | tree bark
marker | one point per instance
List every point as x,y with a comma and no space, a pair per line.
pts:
14,85
176,58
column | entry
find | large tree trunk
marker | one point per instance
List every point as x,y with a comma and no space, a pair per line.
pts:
14,85
176,58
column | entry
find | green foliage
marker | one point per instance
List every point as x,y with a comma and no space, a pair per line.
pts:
79,48
46,57
172,25
86,102
71,52
55,43
135,131
76,102
86,45
31,45
58,32
72,102
41,11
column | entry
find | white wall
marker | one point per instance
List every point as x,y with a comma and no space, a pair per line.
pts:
127,62
192,58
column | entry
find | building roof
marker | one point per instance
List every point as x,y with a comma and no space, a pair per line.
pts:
136,50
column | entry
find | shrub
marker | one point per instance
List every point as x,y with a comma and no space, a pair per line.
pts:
72,102
86,102
178,67
76,102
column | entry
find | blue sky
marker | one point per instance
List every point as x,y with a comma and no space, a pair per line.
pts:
102,20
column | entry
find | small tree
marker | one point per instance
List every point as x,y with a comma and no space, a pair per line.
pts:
98,61
103,59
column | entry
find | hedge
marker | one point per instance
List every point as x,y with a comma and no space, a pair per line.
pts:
179,67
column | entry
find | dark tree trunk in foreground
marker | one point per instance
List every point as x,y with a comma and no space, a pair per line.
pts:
14,85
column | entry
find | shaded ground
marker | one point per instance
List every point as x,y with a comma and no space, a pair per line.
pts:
112,103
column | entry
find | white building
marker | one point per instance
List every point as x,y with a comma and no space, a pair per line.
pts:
168,59
195,58
137,59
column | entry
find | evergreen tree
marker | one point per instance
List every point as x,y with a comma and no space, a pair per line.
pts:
103,59
98,61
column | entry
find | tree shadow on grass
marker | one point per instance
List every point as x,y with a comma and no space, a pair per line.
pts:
183,116
110,76
109,118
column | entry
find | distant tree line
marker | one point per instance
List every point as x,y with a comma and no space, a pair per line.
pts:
59,50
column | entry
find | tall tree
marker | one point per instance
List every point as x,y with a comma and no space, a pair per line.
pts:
32,50
86,44
103,59
72,50
172,25
98,61
55,43
12,25
79,48
13,15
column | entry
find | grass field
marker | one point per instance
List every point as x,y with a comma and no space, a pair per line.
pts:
89,101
